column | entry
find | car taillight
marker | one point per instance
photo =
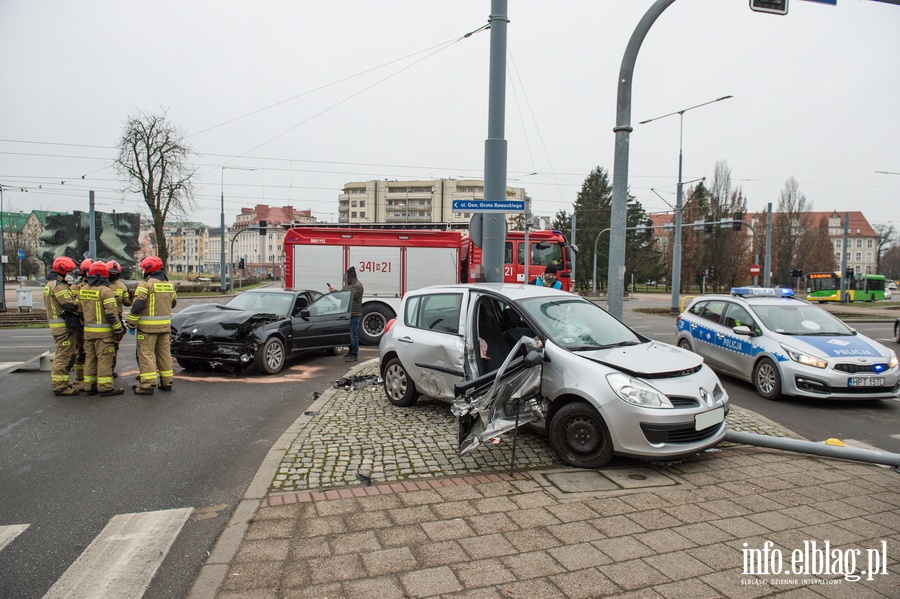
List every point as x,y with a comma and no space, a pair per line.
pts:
388,326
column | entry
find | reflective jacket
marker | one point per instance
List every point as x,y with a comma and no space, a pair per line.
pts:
59,300
123,298
151,311
101,313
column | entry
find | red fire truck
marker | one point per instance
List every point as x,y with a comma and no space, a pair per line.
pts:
389,262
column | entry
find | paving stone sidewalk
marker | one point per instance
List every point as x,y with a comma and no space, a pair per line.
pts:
436,524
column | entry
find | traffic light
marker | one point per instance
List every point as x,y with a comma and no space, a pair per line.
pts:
796,273
775,7
851,274
739,217
648,231
262,229
709,224
241,264
711,272
703,273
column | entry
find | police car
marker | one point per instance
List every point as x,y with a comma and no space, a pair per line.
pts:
784,345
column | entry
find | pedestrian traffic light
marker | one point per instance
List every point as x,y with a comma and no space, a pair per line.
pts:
709,224
241,264
262,228
775,7
739,220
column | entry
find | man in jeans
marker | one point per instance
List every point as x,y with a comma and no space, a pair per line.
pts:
353,284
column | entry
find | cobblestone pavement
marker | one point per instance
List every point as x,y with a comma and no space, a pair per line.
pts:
356,431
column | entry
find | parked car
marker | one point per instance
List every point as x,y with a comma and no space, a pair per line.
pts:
506,355
261,328
787,346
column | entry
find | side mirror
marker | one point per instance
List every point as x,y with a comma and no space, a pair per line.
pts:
743,330
533,358
304,313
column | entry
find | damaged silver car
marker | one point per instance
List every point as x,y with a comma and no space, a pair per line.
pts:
260,329
508,355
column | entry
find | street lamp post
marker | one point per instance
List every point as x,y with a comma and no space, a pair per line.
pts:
676,249
223,286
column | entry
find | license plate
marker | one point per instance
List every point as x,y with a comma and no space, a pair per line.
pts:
868,381
708,419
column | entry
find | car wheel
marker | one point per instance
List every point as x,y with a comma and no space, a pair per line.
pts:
580,437
398,387
189,365
270,357
685,344
372,323
897,331
767,379
335,351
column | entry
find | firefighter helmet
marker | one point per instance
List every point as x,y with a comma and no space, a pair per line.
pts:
98,268
63,265
151,264
114,267
85,266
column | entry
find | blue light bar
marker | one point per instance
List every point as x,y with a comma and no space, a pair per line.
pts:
762,291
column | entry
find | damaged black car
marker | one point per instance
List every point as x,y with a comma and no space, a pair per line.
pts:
260,329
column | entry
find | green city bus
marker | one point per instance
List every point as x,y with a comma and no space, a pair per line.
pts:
826,287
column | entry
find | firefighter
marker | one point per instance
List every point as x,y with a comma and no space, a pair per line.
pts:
79,338
62,318
102,331
151,315
123,298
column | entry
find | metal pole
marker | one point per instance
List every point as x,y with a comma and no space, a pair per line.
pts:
845,282
767,276
844,453
495,146
92,229
2,265
675,306
222,233
620,165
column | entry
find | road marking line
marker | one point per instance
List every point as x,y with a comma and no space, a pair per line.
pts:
8,533
122,559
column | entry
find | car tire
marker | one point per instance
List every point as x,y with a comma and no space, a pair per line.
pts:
398,387
580,437
189,365
372,323
270,357
335,351
685,344
767,379
897,331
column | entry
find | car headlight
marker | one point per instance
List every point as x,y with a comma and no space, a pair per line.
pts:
805,359
894,360
637,393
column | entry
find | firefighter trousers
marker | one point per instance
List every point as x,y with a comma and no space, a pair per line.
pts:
154,359
63,360
98,363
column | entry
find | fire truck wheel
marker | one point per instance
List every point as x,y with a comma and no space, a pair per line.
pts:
372,323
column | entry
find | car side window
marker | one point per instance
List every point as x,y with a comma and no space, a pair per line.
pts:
438,312
736,316
333,303
697,309
713,311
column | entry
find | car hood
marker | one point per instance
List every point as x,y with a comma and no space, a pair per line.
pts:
646,359
219,321
837,346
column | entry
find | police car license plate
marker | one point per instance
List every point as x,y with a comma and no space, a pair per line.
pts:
708,419
859,381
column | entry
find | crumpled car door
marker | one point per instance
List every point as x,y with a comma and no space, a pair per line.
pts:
500,401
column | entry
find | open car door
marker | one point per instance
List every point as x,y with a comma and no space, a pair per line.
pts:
500,401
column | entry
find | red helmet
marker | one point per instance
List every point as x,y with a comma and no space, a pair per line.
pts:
63,265
114,267
98,268
86,265
151,264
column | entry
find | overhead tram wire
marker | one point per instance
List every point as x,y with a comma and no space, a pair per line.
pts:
440,48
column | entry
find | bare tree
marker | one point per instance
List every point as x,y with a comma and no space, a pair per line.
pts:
787,227
154,159
886,234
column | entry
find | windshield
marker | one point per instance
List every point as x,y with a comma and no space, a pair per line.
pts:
270,303
800,320
577,324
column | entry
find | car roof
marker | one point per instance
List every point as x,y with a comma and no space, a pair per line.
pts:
280,291
511,290
753,300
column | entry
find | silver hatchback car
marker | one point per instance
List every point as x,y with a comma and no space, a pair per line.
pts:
504,355
786,346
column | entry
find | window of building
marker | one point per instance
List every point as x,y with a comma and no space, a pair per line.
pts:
868,256
838,243
859,243
362,203
870,243
353,214
859,256
353,203
362,214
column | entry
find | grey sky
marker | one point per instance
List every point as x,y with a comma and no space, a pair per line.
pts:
361,90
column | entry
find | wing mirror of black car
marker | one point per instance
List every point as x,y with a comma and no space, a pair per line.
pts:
304,313
743,330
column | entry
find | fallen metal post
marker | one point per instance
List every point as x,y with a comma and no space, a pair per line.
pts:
846,453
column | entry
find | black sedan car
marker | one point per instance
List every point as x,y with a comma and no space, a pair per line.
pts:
260,329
